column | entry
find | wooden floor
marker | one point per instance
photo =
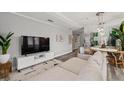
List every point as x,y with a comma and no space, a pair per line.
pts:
67,56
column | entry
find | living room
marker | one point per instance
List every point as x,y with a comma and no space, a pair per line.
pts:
61,46
66,37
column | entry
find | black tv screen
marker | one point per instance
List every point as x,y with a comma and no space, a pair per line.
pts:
31,44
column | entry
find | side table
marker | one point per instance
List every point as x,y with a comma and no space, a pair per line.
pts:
5,69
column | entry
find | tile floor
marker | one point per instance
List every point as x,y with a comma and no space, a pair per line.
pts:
27,73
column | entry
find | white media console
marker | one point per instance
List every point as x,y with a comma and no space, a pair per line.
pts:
27,61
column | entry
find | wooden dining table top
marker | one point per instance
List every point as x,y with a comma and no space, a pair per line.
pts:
107,49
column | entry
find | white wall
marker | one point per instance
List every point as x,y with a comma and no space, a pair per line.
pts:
23,26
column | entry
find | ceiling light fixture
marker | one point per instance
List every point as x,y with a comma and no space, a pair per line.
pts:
50,20
100,21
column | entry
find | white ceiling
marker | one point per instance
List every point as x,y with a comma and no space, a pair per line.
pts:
71,20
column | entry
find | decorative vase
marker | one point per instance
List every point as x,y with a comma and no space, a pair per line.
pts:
81,50
4,58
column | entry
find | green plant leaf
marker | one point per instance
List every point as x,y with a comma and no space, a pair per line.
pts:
2,38
114,36
7,47
7,42
118,34
9,35
1,44
122,27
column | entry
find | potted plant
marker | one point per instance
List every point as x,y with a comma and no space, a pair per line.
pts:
118,33
5,44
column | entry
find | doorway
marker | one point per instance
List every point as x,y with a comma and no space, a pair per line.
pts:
78,39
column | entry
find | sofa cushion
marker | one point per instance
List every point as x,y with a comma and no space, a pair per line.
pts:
97,58
89,51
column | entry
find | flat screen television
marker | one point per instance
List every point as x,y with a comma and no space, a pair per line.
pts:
32,44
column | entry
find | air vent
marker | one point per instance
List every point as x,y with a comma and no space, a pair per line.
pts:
50,20
99,13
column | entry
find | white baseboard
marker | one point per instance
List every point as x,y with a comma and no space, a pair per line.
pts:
63,54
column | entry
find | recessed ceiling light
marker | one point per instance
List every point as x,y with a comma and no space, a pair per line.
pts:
50,20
